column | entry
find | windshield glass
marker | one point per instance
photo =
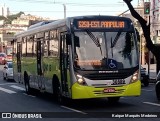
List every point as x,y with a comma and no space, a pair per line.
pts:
10,65
105,50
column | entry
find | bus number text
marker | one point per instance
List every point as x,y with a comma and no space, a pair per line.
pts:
118,81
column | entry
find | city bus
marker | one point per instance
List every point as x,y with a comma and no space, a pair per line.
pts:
79,57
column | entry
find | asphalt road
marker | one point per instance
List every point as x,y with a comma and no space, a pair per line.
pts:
13,99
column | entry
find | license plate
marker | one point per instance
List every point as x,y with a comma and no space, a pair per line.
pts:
109,90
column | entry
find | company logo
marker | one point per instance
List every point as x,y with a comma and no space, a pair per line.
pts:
6,115
112,64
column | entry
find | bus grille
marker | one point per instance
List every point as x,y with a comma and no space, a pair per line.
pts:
107,76
101,93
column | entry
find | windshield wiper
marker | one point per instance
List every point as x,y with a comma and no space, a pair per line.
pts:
111,47
95,40
116,39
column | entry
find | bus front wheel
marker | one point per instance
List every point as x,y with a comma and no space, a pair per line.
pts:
113,99
57,94
60,98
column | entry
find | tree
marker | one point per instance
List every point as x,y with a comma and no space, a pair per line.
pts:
146,31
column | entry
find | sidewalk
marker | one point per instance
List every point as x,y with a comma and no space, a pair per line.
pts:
152,71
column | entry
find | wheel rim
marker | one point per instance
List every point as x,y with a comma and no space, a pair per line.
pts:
59,95
27,87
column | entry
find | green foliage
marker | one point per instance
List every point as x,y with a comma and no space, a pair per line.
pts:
10,18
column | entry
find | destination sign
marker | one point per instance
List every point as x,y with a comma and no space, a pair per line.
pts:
86,24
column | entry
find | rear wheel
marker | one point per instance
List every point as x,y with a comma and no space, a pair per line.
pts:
4,78
29,90
146,83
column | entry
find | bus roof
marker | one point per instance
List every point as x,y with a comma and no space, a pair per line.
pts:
42,26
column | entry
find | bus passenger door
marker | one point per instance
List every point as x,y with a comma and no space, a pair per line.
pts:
64,64
39,64
19,50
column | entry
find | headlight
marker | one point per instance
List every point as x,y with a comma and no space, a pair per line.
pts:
80,80
134,77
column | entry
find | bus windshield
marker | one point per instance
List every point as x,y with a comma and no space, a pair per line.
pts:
105,50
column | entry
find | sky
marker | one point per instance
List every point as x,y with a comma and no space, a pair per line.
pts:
54,9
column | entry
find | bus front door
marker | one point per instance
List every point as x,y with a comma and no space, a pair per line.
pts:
19,50
64,54
39,64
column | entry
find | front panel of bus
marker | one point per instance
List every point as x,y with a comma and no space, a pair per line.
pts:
105,58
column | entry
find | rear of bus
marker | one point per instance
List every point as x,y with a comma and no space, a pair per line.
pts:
105,58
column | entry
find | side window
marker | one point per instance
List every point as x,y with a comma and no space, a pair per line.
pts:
19,52
46,44
158,76
53,44
14,47
34,46
24,45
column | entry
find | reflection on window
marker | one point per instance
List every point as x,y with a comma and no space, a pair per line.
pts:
24,46
53,48
117,47
46,48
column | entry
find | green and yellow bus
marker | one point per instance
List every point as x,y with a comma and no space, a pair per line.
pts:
79,58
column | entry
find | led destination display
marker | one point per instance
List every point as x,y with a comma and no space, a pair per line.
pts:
100,24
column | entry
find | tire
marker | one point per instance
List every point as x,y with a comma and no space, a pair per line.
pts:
57,94
113,100
7,77
4,78
61,99
28,89
158,90
55,86
146,83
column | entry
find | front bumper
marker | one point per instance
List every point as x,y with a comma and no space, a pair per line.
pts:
84,92
9,76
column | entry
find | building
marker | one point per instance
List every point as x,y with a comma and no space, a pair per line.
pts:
18,25
4,11
140,10
155,20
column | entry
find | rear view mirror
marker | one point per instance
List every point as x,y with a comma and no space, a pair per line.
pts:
68,39
76,41
158,76
138,36
100,41
5,67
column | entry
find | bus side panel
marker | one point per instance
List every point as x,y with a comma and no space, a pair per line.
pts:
29,65
50,67
51,60
15,71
